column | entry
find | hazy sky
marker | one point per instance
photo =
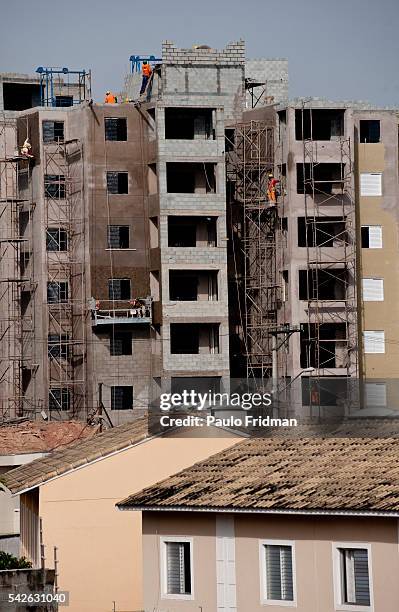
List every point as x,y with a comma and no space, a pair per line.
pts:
341,49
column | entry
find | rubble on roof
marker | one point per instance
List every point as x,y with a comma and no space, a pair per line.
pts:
36,436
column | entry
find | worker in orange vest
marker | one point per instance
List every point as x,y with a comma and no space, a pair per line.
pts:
271,188
109,98
146,73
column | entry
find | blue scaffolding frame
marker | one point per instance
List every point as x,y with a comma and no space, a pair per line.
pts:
48,85
137,60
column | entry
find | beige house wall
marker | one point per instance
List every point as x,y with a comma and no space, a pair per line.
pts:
313,539
99,547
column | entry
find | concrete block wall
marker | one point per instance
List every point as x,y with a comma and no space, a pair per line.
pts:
125,370
295,257
274,72
201,258
206,75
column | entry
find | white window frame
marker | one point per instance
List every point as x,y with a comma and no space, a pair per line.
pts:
374,226
381,331
263,582
380,286
339,606
367,195
369,387
164,567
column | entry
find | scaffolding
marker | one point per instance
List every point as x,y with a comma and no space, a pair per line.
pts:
16,331
256,243
326,198
65,253
56,88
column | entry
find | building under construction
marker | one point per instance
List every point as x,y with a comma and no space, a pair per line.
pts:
192,236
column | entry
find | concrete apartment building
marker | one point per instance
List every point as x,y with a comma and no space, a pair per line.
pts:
132,199
339,167
241,532
162,259
312,293
18,199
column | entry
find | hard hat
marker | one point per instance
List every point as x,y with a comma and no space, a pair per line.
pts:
107,92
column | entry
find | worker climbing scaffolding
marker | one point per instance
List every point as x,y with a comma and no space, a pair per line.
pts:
272,188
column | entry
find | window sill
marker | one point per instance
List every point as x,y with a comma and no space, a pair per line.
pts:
279,602
177,597
353,608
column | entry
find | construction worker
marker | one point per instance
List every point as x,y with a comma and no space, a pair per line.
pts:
26,149
109,98
146,73
271,188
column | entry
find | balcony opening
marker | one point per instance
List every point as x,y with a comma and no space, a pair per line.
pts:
326,178
194,338
189,124
191,177
193,285
192,231
324,345
322,232
319,124
370,130
229,140
323,284
282,124
21,96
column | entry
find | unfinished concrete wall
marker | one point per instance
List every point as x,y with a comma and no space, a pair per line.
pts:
272,72
216,76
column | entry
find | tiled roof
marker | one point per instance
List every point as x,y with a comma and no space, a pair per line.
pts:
326,474
37,436
63,461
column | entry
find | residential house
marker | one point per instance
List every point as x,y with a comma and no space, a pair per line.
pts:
21,443
309,523
74,492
